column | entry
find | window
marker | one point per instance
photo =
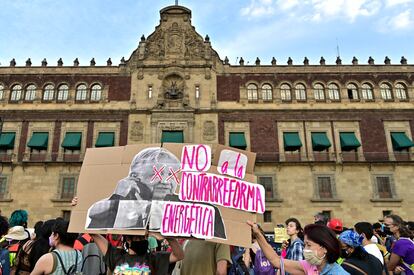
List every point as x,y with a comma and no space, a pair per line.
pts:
400,91
105,139
300,92
30,93
366,91
72,141
267,183
68,188
1,91
81,92
318,92
267,92
352,91
16,93
384,187
385,91
63,92
285,92
3,187
172,136
333,91
96,92
267,216
197,91
291,141
327,214
251,92
400,141
66,215
386,213
324,186
39,141
237,140
349,142
149,91
48,93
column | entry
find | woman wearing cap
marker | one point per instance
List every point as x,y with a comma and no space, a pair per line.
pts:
321,251
357,260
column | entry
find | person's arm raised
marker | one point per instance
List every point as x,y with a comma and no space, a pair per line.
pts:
293,267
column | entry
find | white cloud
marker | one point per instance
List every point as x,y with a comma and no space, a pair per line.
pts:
259,8
402,20
349,9
391,3
287,4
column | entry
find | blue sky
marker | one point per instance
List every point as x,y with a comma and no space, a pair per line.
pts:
249,28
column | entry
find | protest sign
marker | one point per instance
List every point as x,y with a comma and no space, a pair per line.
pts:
280,235
201,191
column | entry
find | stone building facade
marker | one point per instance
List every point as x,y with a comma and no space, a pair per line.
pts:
334,138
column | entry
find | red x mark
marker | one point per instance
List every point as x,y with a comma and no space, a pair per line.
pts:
174,175
157,173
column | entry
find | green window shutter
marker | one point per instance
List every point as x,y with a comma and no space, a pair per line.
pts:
320,141
105,139
291,141
349,141
237,140
400,141
72,141
7,140
39,141
172,136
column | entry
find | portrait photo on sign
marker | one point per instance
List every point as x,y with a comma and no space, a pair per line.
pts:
146,199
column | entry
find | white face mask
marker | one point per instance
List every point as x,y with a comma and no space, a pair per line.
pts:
312,258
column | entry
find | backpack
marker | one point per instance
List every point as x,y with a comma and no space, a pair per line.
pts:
93,260
73,270
238,267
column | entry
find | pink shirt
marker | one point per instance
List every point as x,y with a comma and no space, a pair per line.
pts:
308,268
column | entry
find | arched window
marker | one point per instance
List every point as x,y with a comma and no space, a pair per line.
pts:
333,91
81,92
400,91
49,92
285,92
300,92
63,92
352,90
1,91
96,92
16,93
386,93
366,91
30,93
267,92
318,92
252,92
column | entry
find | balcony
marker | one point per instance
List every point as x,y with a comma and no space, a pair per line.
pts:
6,157
323,156
402,155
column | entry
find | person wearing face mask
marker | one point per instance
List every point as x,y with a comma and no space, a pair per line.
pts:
135,257
357,260
321,251
402,253
63,258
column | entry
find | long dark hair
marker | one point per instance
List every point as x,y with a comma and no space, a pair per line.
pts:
41,244
298,226
326,238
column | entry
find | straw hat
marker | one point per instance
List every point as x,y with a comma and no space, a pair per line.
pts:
17,233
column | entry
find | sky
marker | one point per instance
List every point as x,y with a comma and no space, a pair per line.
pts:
83,29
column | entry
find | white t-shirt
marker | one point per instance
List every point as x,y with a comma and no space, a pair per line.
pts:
374,250
374,239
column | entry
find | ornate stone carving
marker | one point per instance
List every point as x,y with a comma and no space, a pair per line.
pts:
173,87
155,44
209,130
137,131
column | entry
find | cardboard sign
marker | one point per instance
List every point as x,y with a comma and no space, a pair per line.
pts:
130,189
281,235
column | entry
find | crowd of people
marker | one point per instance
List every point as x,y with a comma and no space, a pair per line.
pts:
323,247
